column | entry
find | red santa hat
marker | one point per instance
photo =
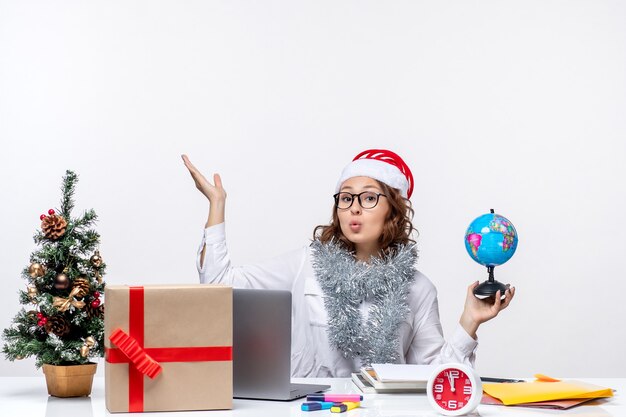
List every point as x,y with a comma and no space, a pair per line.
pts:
382,165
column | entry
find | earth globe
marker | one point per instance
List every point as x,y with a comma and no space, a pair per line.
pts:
490,240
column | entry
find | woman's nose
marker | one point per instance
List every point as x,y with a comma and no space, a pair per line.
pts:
356,207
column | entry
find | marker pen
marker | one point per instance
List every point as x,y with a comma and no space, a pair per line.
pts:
489,379
316,405
335,397
344,406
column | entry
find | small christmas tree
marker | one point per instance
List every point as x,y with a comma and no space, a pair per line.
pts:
65,322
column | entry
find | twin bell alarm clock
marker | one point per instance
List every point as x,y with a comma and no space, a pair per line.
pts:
454,389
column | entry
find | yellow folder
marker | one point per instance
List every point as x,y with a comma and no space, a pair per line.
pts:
530,392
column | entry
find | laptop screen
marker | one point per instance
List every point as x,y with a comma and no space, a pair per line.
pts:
261,342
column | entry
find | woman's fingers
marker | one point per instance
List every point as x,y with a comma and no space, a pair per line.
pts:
201,182
188,164
498,301
215,192
471,287
509,294
196,175
217,180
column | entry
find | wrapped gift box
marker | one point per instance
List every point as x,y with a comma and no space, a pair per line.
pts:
171,348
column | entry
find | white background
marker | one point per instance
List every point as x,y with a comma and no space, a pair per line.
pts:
517,106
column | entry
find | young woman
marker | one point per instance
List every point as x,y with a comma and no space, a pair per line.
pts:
357,297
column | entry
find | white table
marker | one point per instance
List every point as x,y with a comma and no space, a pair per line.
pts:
27,396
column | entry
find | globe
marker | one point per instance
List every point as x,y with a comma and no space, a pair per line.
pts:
491,240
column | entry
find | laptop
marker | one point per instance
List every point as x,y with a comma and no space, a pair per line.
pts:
262,347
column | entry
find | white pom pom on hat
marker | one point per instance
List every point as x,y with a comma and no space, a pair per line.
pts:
382,165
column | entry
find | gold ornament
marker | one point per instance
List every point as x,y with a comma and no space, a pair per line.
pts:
19,357
36,270
61,282
84,351
90,341
96,259
32,293
62,304
98,277
53,226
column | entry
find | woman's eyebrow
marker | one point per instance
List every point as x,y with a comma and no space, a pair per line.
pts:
349,188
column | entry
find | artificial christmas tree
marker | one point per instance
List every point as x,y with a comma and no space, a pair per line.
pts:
63,324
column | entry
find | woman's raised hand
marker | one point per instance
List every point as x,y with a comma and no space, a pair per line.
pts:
478,311
215,193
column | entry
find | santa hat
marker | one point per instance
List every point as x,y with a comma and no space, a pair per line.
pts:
382,165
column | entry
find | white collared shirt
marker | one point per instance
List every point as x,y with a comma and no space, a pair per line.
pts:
421,335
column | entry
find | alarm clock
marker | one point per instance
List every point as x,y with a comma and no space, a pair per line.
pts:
454,389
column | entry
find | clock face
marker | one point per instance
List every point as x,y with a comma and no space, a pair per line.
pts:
453,389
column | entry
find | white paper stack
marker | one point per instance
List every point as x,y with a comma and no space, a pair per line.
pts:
387,378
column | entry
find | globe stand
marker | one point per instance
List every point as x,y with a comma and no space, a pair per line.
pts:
490,287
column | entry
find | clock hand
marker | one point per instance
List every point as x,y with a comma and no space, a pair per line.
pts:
451,381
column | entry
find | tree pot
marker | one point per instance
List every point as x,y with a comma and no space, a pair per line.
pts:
69,380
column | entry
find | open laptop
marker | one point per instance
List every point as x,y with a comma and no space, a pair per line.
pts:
262,347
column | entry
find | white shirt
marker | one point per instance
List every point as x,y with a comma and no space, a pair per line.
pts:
421,336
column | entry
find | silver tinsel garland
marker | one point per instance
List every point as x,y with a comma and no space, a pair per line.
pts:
346,282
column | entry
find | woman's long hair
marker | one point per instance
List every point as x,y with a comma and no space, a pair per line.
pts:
396,230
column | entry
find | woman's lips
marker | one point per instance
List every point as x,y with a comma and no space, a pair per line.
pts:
355,227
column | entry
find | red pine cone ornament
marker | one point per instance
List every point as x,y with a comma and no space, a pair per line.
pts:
53,226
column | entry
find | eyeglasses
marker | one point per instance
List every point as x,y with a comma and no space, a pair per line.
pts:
367,199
